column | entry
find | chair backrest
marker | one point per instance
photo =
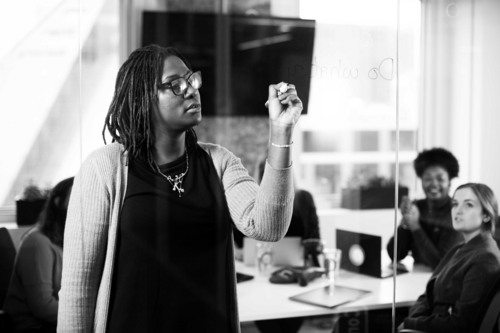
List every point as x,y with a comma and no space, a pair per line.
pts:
16,234
7,258
490,309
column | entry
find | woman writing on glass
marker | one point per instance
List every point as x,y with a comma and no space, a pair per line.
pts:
149,231
462,279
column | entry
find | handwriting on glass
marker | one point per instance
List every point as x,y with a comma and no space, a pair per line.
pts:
384,70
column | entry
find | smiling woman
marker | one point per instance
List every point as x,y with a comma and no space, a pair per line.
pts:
147,206
426,228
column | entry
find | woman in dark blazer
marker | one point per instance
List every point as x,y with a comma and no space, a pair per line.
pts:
461,281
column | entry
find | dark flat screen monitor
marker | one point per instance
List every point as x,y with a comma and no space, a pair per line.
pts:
239,56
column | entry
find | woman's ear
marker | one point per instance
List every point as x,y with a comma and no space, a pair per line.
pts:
486,219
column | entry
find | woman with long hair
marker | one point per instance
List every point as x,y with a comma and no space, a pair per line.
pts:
149,231
32,299
462,279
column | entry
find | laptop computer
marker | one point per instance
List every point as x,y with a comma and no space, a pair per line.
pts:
286,252
362,253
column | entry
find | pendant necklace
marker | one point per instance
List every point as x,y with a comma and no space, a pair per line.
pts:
176,182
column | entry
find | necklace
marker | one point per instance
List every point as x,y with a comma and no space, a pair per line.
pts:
176,182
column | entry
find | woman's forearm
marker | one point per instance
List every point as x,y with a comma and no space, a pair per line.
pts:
280,135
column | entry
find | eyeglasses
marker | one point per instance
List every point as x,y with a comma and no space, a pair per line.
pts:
180,85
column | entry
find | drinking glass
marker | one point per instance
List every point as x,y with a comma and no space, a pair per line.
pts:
264,258
332,259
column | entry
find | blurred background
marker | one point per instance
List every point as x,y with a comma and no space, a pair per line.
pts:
381,81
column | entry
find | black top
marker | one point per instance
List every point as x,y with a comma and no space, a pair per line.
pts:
170,260
304,223
433,240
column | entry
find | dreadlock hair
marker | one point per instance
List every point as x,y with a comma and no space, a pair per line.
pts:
136,91
53,217
436,157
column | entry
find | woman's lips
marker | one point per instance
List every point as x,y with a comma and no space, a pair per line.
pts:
195,107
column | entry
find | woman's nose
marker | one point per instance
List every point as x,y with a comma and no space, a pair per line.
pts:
190,91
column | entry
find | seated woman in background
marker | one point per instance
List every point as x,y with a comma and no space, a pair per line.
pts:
426,228
32,299
304,224
462,279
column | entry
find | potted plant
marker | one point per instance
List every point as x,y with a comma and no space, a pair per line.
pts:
29,204
371,193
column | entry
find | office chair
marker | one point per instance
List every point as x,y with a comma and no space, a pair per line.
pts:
7,258
488,315
491,313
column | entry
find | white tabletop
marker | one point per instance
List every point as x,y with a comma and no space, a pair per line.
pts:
258,299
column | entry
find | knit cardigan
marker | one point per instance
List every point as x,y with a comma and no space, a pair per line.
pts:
97,197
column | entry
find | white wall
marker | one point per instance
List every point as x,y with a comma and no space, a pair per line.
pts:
379,222
487,165
461,85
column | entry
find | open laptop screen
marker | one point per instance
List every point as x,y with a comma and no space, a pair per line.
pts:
361,253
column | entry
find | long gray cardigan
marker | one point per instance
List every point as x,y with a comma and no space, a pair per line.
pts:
99,188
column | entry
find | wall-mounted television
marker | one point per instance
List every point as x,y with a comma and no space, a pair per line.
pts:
239,56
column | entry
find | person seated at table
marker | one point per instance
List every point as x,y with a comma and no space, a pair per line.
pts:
32,299
462,279
426,227
304,224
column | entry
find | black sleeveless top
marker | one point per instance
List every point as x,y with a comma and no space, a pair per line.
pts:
170,272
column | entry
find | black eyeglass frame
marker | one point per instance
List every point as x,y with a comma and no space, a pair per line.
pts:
168,85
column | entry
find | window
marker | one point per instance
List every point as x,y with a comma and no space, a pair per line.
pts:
45,131
351,122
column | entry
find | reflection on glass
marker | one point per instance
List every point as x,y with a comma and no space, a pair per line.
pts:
448,95
351,117
44,132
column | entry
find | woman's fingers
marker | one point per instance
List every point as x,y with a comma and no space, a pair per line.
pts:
274,89
284,104
281,91
288,97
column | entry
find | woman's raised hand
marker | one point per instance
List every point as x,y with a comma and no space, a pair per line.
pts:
284,105
411,214
405,205
284,112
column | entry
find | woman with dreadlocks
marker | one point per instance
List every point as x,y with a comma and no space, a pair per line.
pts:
148,241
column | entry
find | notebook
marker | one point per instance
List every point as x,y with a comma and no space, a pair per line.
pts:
323,297
362,253
286,252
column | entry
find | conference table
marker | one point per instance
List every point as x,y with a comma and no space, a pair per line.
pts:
258,299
